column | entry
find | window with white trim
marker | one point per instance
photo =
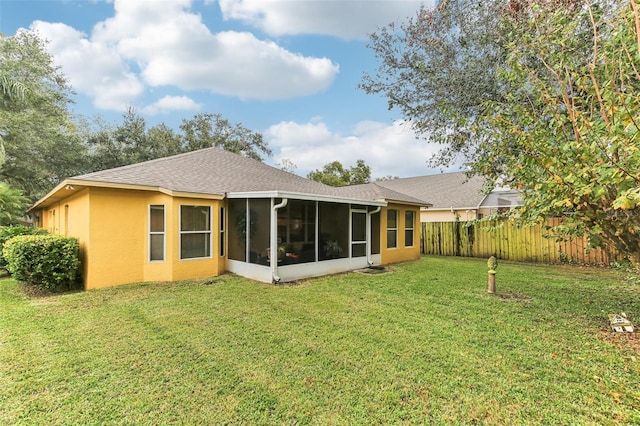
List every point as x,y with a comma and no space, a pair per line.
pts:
392,228
195,232
156,233
409,223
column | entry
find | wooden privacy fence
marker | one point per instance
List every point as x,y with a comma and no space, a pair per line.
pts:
506,240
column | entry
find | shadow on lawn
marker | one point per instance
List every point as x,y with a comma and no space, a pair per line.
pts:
514,297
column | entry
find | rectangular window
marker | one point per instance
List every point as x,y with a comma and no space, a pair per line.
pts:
392,228
222,229
409,217
195,232
156,233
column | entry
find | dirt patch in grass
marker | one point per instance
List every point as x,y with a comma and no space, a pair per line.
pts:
629,341
374,270
33,291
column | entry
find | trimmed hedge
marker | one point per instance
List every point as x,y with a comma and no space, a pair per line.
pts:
48,261
8,232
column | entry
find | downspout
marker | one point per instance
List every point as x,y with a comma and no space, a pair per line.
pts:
273,243
371,213
479,204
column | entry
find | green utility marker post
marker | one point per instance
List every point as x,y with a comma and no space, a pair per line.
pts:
492,263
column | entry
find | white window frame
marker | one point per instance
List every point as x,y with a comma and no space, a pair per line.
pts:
393,229
163,233
181,233
410,228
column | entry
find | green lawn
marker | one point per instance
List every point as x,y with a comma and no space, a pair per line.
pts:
423,343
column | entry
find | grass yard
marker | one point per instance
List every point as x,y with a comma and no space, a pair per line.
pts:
423,343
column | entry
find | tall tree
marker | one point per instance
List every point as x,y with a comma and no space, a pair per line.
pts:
133,142
40,140
131,138
212,130
10,90
543,96
163,141
568,132
360,173
130,142
12,205
334,174
287,165
439,68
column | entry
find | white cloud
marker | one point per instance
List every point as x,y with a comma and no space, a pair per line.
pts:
345,19
238,64
145,45
94,69
390,150
171,103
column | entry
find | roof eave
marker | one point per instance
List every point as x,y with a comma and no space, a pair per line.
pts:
305,196
410,203
71,184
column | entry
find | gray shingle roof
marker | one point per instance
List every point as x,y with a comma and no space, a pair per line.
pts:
444,190
374,191
208,171
213,171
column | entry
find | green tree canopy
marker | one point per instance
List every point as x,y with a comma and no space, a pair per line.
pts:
40,139
334,174
212,130
130,142
438,68
12,205
543,97
568,132
134,142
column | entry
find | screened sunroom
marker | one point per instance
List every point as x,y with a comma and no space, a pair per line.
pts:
286,237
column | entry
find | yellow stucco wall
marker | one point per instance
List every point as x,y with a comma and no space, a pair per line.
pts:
117,242
113,228
400,253
70,217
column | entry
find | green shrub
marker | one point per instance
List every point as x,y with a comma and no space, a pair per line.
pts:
8,232
48,261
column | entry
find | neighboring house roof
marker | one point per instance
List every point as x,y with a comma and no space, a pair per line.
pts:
454,190
443,191
374,191
217,173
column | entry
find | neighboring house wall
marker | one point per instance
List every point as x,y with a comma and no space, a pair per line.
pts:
404,250
461,215
448,215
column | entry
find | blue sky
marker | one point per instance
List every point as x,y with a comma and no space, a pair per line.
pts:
288,69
